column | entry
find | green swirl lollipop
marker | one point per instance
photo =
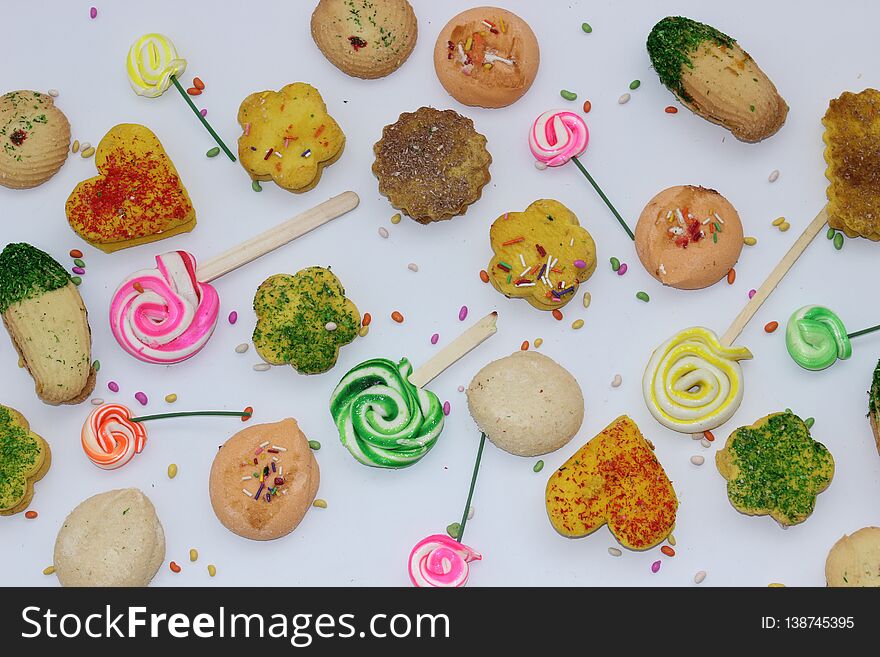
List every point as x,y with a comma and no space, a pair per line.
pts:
816,337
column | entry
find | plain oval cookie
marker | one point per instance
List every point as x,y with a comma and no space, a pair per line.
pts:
34,139
110,539
526,403
365,38
855,559
263,480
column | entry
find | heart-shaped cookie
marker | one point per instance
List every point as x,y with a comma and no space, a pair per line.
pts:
137,196
615,479
24,459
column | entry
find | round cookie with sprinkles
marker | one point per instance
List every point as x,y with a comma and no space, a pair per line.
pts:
34,139
263,480
689,237
541,254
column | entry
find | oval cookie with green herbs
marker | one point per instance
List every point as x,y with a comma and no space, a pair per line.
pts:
24,459
303,320
774,467
34,139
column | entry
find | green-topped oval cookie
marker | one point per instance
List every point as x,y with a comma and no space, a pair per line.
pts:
26,273
24,459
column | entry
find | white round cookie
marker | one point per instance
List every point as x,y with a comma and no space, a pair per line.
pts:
526,403
110,539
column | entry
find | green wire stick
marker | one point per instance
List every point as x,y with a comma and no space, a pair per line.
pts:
162,416
202,118
467,505
602,195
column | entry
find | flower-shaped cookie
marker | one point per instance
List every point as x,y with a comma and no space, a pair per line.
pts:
24,459
616,479
303,320
773,467
541,255
288,136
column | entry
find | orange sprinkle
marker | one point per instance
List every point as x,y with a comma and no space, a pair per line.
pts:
668,551
769,327
731,276
708,435
198,84
30,515
515,240
76,253
397,317
174,567
587,106
484,276
192,91
557,314
671,110
524,346
250,413
367,319
137,286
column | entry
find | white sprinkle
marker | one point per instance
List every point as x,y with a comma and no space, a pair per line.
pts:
97,401
699,577
492,57
587,299
245,491
383,232
264,444
679,216
571,243
523,273
774,175
677,230
669,214
661,269
280,469
246,477
522,260
697,436
698,460
275,458
85,146
471,513
706,221
280,449
261,367
284,492
525,284
720,220
53,93
616,381
540,166
552,264
487,24
461,388
412,266
705,443
614,552
277,153
243,347
330,326
623,99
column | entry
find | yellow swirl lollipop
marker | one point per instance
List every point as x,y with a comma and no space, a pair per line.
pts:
692,382
152,60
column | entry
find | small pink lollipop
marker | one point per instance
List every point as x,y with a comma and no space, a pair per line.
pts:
558,136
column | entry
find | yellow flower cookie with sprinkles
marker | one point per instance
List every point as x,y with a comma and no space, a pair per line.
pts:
774,467
288,136
541,255
303,320
24,459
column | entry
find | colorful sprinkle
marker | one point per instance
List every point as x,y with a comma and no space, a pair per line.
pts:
79,262
524,346
198,84
708,435
213,152
171,398
588,298
643,296
76,253
668,551
616,381
778,221
538,466
141,397
363,331
774,176
93,12
256,186
243,347
233,317
172,471
769,327
831,233
192,91
586,27
615,552
383,232
699,577
784,227
396,218
462,313
76,280
557,314
138,287
453,529
315,445
615,264
655,567
435,338
397,317
752,292
624,99
635,84
249,413
30,515
330,326
750,241
484,276
53,93
577,324
319,503
366,319
580,264
113,386
731,276
568,95
538,342
261,367
698,460
671,110
203,112
97,401
810,421
174,567
671,540
838,241
96,365
74,147
49,570
446,408
413,267
193,554
212,570
78,270
622,269
587,106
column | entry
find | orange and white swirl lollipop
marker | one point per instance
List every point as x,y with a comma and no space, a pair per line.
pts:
110,439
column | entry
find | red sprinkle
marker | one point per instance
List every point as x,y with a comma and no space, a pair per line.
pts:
515,240
137,286
30,515
76,253
587,106
250,413
397,317
524,346
174,567
769,327
367,319
708,435
731,276
671,110
668,551
192,91
484,276
557,314
198,84
268,153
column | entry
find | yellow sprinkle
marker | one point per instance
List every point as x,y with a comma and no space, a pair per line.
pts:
587,299
487,66
212,569
172,471
671,540
784,226
776,585
364,330
75,147
750,241
538,342
396,219
779,221
468,43
501,25
321,504
193,554
576,324
171,398
49,570
88,152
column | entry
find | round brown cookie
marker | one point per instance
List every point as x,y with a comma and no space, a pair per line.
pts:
263,480
855,559
486,57
34,139
431,164
526,404
365,38
25,458
110,539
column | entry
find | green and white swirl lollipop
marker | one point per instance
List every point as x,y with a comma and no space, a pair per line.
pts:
816,337
385,417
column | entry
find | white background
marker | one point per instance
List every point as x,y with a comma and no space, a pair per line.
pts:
375,516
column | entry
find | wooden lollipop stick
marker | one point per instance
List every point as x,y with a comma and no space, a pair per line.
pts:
779,271
458,348
278,236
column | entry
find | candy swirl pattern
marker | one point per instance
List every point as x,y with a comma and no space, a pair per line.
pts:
557,136
816,337
110,439
382,418
692,382
152,60
439,561
164,315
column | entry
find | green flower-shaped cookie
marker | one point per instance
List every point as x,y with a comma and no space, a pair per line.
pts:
303,320
773,467
24,459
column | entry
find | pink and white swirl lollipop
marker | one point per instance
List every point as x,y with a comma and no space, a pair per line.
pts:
558,136
167,314
439,561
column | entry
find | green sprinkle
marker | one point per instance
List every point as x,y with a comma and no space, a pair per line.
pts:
586,27
810,421
96,365
838,241
715,237
214,152
635,84
615,264
643,296
76,280
454,530
568,95
27,273
79,263
256,186
538,466
505,264
752,107
509,278
315,445
830,234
